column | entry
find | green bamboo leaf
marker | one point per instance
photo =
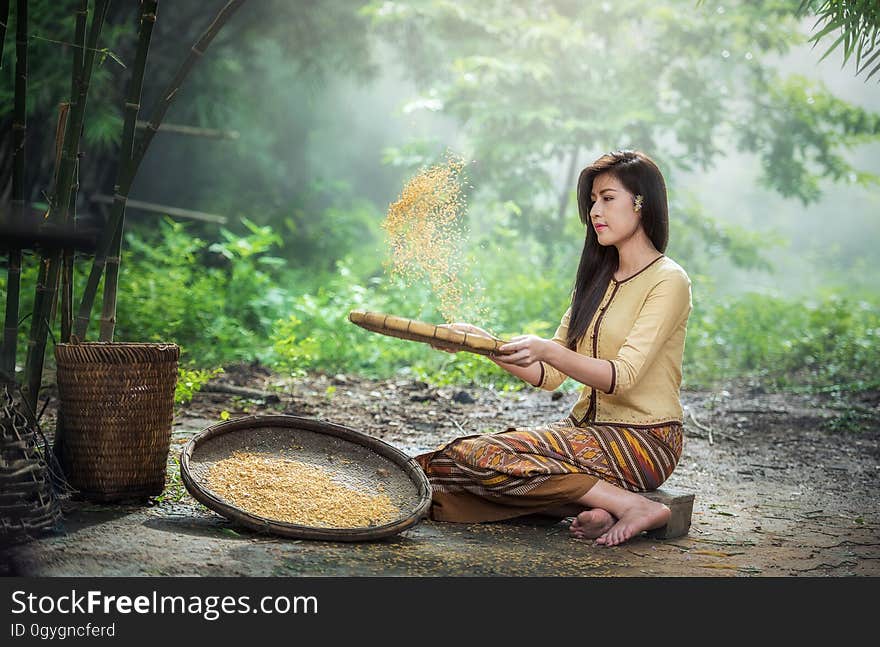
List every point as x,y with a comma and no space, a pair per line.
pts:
107,52
831,49
831,26
848,44
868,62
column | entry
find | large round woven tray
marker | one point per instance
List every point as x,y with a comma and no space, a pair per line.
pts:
427,333
358,460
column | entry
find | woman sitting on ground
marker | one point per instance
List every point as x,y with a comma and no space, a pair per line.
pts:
623,338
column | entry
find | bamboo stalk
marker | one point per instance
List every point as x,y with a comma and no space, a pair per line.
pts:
4,20
196,52
114,225
164,209
194,131
60,203
67,274
45,291
79,40
67,262
132,107
10,327
19,127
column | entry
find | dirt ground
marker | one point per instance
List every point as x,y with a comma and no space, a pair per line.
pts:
785,485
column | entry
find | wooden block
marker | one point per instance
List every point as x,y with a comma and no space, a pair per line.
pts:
681,504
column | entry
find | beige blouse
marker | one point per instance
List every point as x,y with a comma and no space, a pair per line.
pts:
639,328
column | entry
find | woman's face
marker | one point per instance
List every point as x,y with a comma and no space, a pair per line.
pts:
613,215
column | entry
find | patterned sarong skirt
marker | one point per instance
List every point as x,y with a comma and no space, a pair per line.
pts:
490,477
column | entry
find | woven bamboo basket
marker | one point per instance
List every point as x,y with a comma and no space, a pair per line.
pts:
427,333
354,456
117,404
28,503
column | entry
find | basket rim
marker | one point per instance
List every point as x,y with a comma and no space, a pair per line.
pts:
209,499
116,352
116,343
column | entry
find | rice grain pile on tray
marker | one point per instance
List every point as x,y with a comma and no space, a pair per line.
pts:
295,492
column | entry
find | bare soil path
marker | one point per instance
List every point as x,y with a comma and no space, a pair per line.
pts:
787,485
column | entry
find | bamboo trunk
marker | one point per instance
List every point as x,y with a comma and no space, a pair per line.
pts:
19,128
4,19
10,327
43,289
59,209
67,292
163,209
67,262
124,175
196,52
113,232
194,131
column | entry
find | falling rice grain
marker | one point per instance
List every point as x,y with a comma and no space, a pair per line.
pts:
426,236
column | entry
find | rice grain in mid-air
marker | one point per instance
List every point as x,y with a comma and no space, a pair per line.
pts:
426,236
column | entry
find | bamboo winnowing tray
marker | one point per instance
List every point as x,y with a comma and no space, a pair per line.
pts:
427,333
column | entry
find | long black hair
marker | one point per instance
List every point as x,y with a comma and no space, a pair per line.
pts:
640,176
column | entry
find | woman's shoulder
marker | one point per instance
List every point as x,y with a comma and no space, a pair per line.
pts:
667,268
674,283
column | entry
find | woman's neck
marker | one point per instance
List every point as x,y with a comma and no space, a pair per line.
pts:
633,254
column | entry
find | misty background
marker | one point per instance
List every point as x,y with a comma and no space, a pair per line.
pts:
326,109
827,245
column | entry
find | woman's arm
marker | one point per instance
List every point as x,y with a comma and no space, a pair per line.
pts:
528,351
530,374
666,306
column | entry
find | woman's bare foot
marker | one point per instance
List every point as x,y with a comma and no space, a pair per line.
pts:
644,515
591,524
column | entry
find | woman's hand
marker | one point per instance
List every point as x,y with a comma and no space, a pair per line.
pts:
524,350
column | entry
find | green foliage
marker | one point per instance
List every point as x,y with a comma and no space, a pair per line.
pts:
316,335
175,490
535,89
28,281
785,343
294,156
539,86
801,132
217,301
245,307
858,22
190,381
51,29
698,240
346,224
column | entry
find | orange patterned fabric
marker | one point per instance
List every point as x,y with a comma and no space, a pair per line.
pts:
516,461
